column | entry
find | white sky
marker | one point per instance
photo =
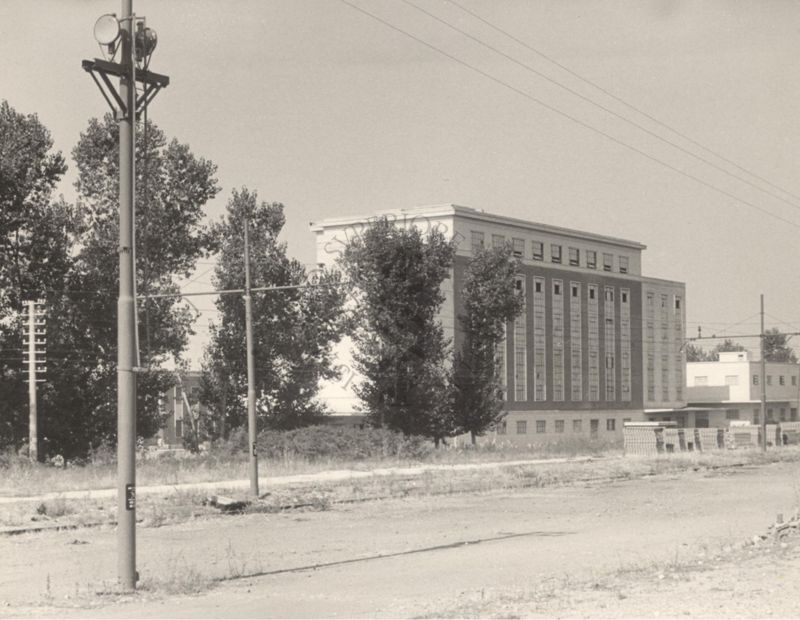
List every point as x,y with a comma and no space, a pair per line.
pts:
316,105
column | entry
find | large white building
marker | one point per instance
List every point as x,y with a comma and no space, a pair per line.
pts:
598,343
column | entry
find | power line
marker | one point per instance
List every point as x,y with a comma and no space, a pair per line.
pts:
621,100
567,115
598,105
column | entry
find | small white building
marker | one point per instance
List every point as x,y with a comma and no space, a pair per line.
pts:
730,389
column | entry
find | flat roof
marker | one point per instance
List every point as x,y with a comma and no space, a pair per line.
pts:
478,215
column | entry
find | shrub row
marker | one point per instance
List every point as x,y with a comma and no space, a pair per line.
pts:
345,443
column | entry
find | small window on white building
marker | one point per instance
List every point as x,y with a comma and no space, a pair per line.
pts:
518,246
623,264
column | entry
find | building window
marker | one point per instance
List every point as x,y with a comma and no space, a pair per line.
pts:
577,426
541,426
623,264
557,303
594,426
522,427
518,246
783,414
477,242
769,379
574,257
591,259
608,262
559,426
793,414
539,341
756,416
609,334
501,428
794,379
593,344
731,379
178,428
624,297
781,380
755,379
731,414
555,253
520,348
498,241
769,416
576,343
611,424
538,250
677,302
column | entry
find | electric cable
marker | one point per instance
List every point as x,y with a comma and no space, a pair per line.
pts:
621,100
568,116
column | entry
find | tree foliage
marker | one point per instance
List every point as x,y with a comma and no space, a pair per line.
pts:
697,354
36,234
490,301
776,347
726,346
401,350
294,329
71,260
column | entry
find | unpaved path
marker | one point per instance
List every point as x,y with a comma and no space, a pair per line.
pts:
400,558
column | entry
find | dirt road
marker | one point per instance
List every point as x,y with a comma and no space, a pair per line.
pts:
402,558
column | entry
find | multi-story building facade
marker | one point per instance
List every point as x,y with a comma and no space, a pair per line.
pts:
597,344
730,389
178,420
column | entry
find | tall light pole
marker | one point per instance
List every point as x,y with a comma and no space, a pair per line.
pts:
763,382
128,36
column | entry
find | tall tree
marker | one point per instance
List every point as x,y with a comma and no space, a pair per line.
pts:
36,235
776,347
490,300
401,350
173,185
294,329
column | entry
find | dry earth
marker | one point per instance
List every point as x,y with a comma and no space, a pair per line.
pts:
627,549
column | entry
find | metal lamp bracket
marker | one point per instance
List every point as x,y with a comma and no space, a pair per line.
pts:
102,69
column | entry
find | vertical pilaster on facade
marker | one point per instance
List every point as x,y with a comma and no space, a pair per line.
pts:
593,313
609,340
539,340
625,343
558,340
575,340
521,347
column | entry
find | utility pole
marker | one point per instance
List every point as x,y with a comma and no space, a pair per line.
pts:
763,382
251,365
127,35
126,317
34,329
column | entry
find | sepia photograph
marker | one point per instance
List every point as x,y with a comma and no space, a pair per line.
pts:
399,309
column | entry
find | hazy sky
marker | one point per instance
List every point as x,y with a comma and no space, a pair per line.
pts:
316,105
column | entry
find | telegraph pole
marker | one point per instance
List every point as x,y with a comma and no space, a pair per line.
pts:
763,382
251,366
33,432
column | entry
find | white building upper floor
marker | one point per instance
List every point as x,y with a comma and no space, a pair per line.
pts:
741,378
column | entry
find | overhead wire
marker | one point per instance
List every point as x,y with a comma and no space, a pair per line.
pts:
598,105
620,99
567,115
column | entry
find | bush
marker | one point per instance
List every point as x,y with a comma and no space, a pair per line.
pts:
332,442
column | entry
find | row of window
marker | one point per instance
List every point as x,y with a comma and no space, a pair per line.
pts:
770,415
781,380
559,426
573,257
